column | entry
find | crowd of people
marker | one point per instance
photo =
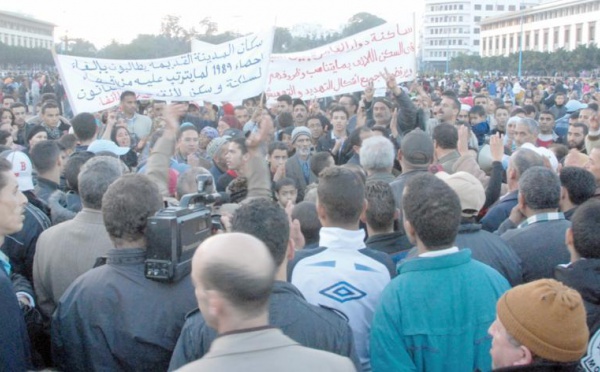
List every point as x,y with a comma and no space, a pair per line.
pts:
448,225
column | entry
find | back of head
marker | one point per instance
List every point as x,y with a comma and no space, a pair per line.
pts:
285,120
68,142
446,136
417,149
266,221
377,154
44,156
96,175
380,206
73,167
306,213
355,136
548,318
586,229
580,184
523,159
540,187
239,268
433,209
342,194
84,126
127,204
320,161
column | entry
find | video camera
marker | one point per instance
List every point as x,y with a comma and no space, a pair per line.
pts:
174,233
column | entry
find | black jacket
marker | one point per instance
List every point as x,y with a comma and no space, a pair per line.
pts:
309,325
14,343
114,318
491,250
584,276
326,143
20,246
392,243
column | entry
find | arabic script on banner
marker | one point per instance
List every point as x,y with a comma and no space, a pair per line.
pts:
348,65
230,71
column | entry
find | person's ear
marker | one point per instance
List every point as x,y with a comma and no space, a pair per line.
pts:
363,216
410,231
214,303
526,357
564,193
321,213
521,201
399,155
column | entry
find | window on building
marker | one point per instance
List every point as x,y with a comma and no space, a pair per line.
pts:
460,7
545,44
510,42
578,34
476,43
460,18
477,6
500,7
536,39
522,7
476,31
489,7
592,32
512,8
567,34
477,19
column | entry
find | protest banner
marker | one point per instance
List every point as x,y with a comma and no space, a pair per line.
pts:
226,72
346,66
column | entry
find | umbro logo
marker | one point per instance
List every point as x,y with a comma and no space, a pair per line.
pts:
343,292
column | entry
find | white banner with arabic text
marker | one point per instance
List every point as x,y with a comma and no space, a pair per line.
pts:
345,66
226,72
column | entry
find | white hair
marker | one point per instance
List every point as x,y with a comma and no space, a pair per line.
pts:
377,153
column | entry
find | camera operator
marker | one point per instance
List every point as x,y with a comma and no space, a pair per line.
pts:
113,317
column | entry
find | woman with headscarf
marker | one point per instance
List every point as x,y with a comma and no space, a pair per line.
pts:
121,136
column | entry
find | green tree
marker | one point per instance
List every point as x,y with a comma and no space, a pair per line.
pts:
361,22
282,41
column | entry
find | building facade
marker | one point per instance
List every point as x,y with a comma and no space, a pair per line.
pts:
545,28
451,27
27,32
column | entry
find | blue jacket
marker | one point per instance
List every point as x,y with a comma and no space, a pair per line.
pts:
499,212
432,317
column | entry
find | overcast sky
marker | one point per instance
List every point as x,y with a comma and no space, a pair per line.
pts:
123,20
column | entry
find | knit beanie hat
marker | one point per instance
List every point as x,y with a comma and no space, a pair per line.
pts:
215,145
547,317
298,131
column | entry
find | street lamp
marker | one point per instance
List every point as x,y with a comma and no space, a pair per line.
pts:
521,41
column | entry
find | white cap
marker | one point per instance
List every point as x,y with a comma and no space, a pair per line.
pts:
548,154
21,167
107,146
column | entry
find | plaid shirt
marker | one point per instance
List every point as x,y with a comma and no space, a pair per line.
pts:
542,217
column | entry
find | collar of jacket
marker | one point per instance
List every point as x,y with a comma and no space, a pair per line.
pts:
469,228
126,256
